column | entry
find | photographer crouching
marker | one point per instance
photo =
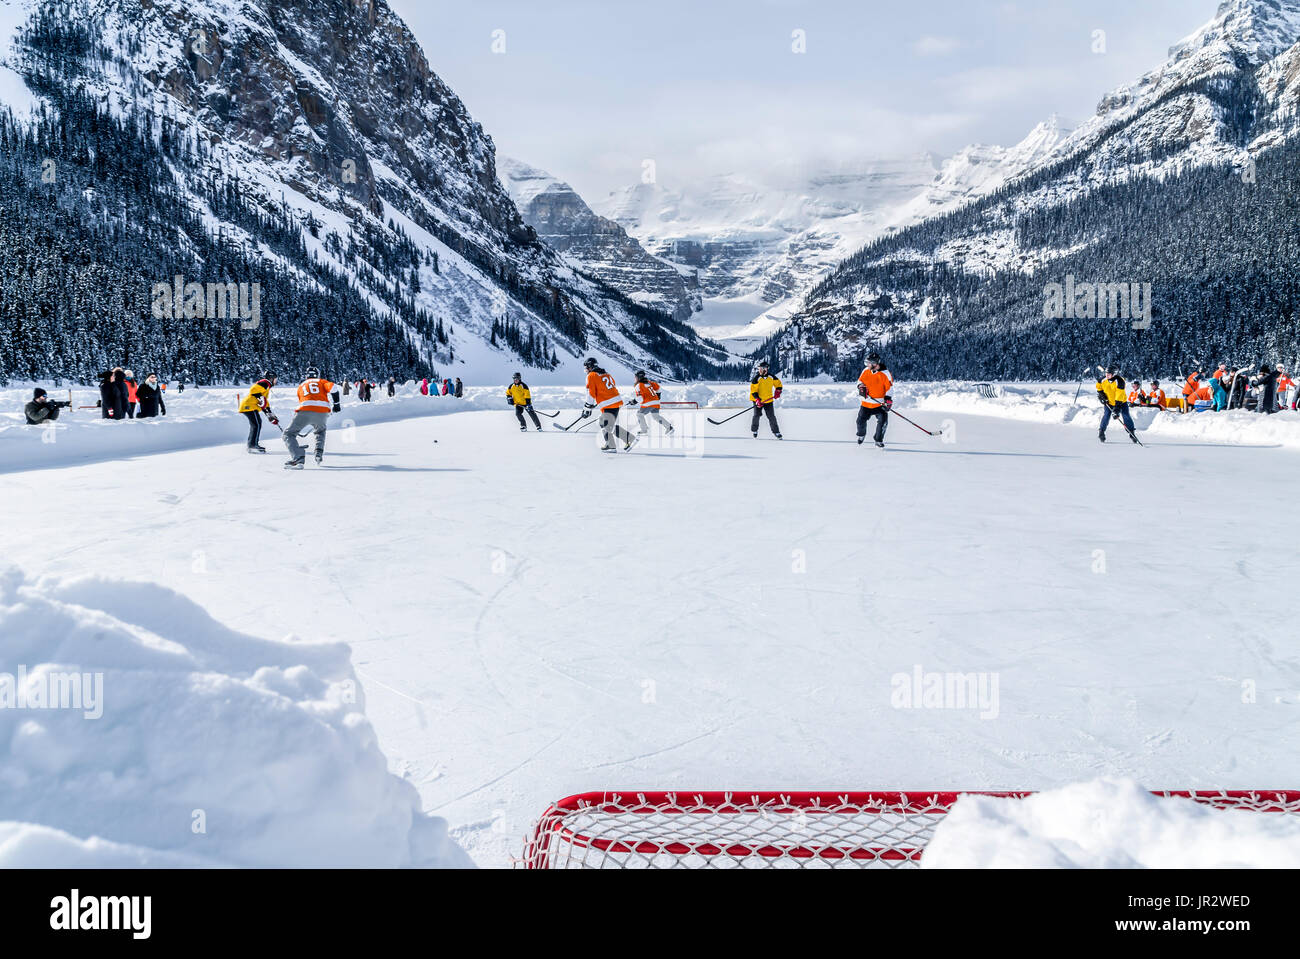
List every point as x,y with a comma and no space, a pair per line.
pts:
40,409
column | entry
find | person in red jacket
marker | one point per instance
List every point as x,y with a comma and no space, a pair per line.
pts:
874,386
132,394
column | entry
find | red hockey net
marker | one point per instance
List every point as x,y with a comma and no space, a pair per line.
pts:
724,830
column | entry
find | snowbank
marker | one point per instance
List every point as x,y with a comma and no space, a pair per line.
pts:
136,730
1109,824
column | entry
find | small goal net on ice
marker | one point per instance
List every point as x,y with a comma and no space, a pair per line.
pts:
733,830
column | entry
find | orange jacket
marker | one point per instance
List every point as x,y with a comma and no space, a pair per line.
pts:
649,393
878,385
1158,398
603,392
1192,385
314,396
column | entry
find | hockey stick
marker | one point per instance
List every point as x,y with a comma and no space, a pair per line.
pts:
570,426
590,422
730,418
891,412
1086,371
551,415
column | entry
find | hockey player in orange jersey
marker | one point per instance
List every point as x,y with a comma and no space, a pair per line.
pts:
603,395
647,404
317,398
874,386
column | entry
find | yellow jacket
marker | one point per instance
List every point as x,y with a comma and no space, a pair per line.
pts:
258,398
1112,391
764,388
519,393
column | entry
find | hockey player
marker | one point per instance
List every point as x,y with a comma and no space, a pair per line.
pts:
604,396
764,391
647,404
1157,396
317,398
874,386
256,403
1111,393
521,398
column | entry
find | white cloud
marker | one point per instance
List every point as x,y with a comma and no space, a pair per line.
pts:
932,46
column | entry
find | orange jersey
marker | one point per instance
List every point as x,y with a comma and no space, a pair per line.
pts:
601,389
1192,385
878,385
1158,398
649,393
1136,398
314,396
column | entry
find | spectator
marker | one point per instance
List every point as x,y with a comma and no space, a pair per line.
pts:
347,387
40,409
1237,390
1136,397
1285,386
132,393
424,386
1157,396
392,386
1190,389
460,388
446,387
1219,393
150,395
1266,383
112,395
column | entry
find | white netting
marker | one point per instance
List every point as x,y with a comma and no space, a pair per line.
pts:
768,830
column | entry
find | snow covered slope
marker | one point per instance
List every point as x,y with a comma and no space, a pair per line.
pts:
315,136
1138,192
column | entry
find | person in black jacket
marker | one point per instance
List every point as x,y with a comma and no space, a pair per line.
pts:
150,396
1266,383
112,395
40,409
460,388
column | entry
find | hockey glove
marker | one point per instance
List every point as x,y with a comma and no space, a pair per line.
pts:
889,402
510,400
777,395
275,420
862,390
586,412
758,404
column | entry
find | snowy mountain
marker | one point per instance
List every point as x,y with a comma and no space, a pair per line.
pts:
597,245
762,244
1180,149
305,147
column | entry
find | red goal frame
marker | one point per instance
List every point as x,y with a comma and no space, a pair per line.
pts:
600,829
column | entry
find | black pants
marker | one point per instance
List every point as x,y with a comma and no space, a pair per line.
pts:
254,428
519,415
770,410
865,413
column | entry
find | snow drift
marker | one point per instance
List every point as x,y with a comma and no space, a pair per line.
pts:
1109,824
135,730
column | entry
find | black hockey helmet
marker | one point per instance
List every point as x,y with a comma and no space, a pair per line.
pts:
761,365
1112,371
312,373
640,375
517,376
589,363
873,357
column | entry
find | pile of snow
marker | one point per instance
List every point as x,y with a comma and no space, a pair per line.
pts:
135,730
1109,824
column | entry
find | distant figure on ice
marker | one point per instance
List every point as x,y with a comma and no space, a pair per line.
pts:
256,404
520,397
317,398
150,395
392,386
1111,393
1285,386
1266,383
647,404
875,386
603,395
764,391
460,388
424,386
40,409
446,387
112,394
132,394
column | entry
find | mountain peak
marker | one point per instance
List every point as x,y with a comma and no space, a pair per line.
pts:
1259,28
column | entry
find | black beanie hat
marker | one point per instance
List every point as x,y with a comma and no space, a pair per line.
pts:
37,393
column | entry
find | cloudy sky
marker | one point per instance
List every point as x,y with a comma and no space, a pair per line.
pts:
589,89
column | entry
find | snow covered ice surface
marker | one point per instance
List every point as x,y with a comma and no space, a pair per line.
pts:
529,618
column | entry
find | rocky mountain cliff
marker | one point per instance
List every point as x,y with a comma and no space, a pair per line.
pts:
596,245
324,118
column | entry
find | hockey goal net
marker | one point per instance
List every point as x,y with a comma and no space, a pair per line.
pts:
725,830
